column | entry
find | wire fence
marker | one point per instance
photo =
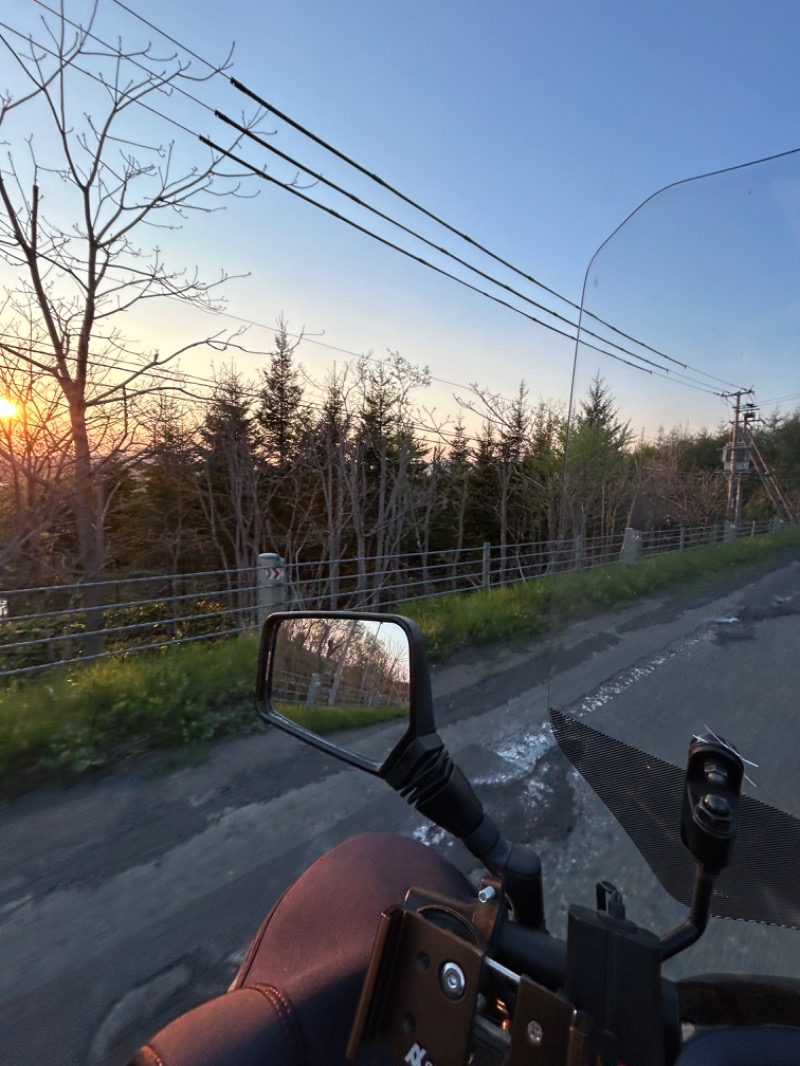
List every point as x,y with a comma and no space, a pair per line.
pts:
46,627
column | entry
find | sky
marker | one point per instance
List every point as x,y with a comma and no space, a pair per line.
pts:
533,127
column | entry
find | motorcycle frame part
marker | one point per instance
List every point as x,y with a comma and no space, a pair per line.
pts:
403,1005
709,823
404,1010
613,974
713,782
690,931
476,921
427,778
421,722
546,1029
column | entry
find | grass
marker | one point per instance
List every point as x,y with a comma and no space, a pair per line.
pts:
66,724
69,723
329,719
528,610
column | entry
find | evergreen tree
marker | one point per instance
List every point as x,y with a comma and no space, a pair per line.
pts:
599,486
231,473
279,412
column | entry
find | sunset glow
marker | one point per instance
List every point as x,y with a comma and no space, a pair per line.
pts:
7,408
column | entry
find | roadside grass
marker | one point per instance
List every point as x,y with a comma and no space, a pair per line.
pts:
530,609
68,723
330,719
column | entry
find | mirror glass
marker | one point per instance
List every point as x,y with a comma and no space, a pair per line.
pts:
345,677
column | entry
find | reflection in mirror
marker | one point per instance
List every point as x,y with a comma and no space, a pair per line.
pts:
343,674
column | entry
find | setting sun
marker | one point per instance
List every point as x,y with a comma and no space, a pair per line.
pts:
7,408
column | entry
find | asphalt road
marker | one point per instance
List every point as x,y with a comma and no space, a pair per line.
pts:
130,898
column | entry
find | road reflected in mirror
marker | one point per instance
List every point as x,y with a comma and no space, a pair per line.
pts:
332,674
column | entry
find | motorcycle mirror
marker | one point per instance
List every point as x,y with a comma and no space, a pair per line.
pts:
355,685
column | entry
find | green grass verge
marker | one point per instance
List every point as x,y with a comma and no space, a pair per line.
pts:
65,724
328,719
527,610
69,723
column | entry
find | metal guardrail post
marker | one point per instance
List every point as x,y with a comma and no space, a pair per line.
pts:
271,585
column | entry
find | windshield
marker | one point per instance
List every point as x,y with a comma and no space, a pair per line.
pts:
677,599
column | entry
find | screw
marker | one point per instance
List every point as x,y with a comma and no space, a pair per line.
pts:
486,894
535,1033
452,980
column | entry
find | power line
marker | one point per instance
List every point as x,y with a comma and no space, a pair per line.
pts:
244,131
269,107
661,371
684,379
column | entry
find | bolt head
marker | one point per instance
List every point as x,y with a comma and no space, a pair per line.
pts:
535,1033
452,980
715,813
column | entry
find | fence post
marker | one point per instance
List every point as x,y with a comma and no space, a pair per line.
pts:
271,585
579,553
682,540
487,565
631,547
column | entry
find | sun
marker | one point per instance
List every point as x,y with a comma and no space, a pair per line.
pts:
7,408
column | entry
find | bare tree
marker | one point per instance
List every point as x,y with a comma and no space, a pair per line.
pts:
80,190
32,461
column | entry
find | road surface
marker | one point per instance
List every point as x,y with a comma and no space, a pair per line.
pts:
130,898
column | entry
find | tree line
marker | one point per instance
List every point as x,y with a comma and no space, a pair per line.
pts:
346,470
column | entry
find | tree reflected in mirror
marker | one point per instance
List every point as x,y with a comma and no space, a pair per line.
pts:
343,674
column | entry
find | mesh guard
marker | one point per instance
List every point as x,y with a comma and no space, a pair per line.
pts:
644,793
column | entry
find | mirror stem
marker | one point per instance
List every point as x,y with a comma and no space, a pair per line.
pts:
694,926
428,779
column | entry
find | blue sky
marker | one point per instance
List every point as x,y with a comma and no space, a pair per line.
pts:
534,127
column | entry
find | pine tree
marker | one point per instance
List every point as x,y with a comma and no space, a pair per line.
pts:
280,400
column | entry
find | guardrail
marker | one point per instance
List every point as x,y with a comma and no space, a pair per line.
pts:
45,627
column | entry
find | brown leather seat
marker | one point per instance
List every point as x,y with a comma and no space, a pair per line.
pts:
295,995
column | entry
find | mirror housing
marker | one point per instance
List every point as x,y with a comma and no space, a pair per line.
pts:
420,721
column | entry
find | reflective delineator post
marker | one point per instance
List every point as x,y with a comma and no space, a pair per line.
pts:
271,585
631,547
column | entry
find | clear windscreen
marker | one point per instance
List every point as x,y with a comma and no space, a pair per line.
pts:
676,593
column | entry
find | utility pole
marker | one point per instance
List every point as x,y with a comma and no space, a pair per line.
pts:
741,457
783,507
735,461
